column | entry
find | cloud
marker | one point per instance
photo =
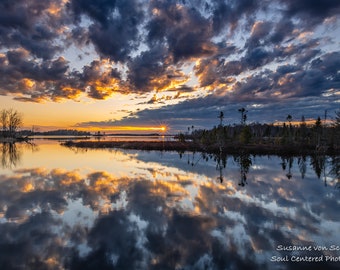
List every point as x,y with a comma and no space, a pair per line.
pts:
99,80
221,51
32,26
258,34
114,31
315,8
64,219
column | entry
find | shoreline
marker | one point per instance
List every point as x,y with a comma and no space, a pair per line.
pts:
261,149
14,140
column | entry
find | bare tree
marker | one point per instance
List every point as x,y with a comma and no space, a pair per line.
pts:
11,121
4,121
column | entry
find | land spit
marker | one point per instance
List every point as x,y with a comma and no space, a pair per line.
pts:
258,149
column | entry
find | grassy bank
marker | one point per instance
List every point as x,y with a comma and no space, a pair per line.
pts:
191,146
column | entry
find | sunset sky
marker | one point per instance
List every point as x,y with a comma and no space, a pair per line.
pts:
133,64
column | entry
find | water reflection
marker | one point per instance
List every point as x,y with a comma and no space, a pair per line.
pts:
302,166
244,160
221,163
11,153
335,169
166,214
324,167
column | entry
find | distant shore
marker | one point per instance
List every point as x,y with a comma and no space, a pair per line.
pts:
13,140
261,149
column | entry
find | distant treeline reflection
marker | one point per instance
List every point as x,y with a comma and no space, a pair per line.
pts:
325,167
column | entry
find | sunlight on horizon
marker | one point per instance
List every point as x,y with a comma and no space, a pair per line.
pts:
124,128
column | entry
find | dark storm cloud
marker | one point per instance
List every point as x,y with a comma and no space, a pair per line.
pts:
47,70
221,14
228,14
195,43
283,29
27,24
322,75
257,57
113,41
306,56
171,23
314,8
100,11
114,30
293,81
147,66
329,64
38,80
311,13
259,34
16,65
217,70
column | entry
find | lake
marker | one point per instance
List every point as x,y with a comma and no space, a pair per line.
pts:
67,208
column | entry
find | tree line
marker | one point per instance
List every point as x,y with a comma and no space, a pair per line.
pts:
316,135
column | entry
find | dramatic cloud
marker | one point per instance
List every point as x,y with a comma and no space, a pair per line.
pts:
223,50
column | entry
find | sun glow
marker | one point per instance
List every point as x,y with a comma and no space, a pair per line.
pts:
124,128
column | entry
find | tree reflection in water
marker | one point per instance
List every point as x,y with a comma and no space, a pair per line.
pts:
221,163
319,164
10,155
244,160
287,161
335,170
302,166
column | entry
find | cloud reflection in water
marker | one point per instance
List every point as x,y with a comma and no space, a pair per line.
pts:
164,217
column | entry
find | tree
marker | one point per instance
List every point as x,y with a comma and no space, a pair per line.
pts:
317,127
303,129
245,135
289,119
318,123
243,112
11,121
221,116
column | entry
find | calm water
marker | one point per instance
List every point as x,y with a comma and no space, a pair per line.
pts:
64,208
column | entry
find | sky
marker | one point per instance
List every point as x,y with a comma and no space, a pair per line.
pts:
134,65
